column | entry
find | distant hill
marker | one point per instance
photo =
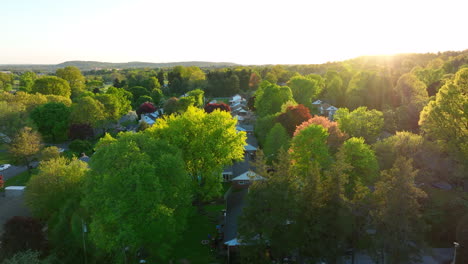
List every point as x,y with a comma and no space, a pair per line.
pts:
91,65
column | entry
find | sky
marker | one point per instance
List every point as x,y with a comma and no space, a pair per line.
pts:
240,31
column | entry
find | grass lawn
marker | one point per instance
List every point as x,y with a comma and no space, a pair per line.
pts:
199,226
4,155
19,180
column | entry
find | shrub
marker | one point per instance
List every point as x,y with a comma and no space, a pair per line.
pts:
80,146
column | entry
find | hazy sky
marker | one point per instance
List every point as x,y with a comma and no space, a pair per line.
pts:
242,31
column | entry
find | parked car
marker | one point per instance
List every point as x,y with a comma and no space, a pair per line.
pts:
4,167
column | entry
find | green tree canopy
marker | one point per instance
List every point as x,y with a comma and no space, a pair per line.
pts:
87,110
208,143
411,89
75,79
335,138
309,147
304,89
270,98
27,80
364,166
6,81
276,139
25,145
52,85
446,117
142,201
430,158
335,90
58,180
360,122
124,97
397,214
51,120
198,95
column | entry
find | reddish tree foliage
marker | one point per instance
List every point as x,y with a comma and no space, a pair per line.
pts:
2,182
80,131
293,117
22,233
222,107
336,136
146,108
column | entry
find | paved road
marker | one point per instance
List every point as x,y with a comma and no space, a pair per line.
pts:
12,171
15,170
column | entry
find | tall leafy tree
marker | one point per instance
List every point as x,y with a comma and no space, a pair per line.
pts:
6,81
276,139
270,98
27,80
51,85
397,214
413,96
51,120
152,187
161,78
411,89
75,79
445,117
153,83
87,110
199,96
309,147
124,97
58,180
360,122
364,164
208,143
25,146
293,116
335,137
335,89
304,89
269,218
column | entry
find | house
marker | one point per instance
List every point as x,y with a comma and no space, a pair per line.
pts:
240,128
150,118
331,112
227,174
325,109
246,179
236,99
248,128
84,157
239,118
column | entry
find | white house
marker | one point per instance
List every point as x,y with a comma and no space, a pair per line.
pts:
236,99
150,118
331,112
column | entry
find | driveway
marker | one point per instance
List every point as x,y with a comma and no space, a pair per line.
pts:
11,206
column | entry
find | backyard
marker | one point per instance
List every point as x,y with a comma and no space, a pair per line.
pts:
202,222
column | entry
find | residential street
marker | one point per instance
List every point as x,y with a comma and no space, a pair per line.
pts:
13,171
